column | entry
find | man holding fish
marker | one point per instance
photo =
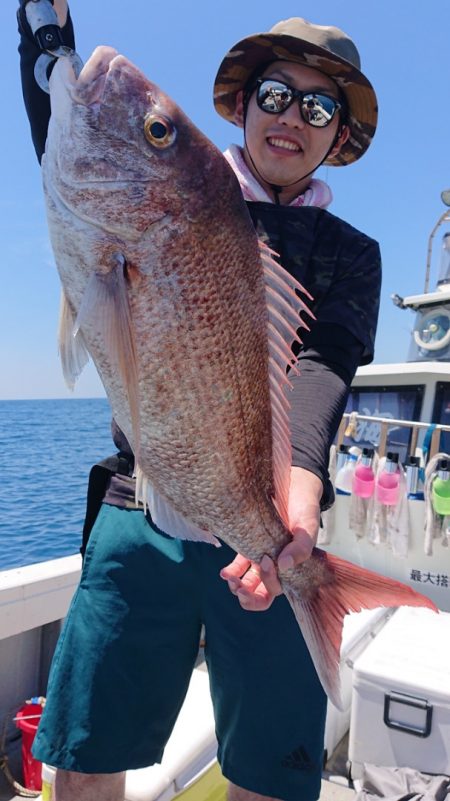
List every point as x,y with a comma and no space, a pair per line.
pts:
299,96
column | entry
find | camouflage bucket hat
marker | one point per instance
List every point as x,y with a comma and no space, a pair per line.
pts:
321,47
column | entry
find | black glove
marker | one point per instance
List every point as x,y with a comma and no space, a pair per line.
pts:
40,23
37,102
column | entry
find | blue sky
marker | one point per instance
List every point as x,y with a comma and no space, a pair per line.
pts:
393,193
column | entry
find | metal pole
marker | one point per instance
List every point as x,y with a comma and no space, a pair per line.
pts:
443,218
391,421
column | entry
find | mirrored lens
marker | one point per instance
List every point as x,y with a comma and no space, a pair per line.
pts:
274,97
318,110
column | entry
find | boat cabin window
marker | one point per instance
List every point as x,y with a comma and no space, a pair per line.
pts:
441,412
396,402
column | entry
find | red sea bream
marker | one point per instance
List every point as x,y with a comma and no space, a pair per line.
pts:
190,324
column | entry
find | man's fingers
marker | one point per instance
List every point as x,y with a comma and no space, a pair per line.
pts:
269,576
232,573
297,551
252,579
257,600
236,568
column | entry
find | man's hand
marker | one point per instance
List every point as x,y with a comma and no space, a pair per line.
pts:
255,585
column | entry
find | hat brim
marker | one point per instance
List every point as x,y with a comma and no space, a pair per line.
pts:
243,59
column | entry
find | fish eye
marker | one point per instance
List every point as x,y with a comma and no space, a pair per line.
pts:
159,131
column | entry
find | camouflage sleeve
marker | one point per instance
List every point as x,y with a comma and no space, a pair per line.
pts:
339,265
37,102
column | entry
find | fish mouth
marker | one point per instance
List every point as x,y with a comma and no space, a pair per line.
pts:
90,86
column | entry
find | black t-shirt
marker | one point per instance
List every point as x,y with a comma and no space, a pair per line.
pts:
338,265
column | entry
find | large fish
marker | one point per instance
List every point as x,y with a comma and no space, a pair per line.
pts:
190,324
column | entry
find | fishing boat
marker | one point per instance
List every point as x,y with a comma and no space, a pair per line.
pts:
393,408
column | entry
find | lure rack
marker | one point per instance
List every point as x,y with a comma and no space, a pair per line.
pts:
399,529
423,475
418,430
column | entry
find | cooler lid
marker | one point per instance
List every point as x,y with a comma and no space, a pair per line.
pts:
412,652
359,625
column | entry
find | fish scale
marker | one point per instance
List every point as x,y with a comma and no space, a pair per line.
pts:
190,323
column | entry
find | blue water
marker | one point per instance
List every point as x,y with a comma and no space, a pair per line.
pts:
47,448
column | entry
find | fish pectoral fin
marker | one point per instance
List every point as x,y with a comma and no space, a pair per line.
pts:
349,588
71,345
166,517
105,308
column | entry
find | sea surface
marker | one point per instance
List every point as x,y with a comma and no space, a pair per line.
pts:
47,448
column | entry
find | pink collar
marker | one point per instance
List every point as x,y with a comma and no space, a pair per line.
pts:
318,192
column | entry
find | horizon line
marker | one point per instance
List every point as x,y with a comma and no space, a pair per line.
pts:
78,397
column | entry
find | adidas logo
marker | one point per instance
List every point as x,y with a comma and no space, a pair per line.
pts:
297,760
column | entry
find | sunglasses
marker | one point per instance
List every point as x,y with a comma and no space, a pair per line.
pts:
316,108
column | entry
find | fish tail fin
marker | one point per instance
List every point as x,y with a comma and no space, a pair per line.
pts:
348,588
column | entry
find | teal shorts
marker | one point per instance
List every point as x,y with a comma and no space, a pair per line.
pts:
124,660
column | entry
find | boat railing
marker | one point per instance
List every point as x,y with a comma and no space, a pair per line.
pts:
347,428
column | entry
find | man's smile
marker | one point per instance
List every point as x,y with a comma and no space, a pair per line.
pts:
285,144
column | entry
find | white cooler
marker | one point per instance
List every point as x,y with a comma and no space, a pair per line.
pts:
401,696
359,630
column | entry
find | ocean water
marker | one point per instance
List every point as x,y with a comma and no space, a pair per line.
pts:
47,449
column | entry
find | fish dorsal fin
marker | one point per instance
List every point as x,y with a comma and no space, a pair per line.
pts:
72,347
165,517
283,307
